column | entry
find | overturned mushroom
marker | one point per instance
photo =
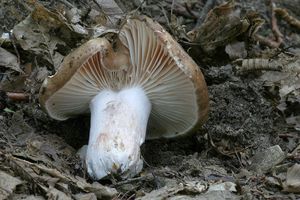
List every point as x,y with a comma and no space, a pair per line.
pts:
146,81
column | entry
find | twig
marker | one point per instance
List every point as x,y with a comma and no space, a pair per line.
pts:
238,158
283,13
166,17
172,7
14,96
287,135
278,35
131,197
140,5
15,47
276,32
266,41
17,96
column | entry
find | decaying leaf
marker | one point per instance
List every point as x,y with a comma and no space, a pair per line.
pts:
55,194
27,197
114,10
164,192
48,34
194,187
19,128
229,186
36,38
9,60
236,50
8,184
88,196
296,152
221,26
292,183
264,161
38,175
287,81
173,188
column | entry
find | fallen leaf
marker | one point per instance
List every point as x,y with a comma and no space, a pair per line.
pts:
263,161
292,183
9,60
54,194
236,50
34,37
221,27
8,184
89,196
229,186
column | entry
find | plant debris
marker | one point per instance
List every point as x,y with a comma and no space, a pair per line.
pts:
292,183
8,184
9,60
266,160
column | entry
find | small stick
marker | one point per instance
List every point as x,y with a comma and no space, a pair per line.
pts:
278,35
17,96
267,41
283,13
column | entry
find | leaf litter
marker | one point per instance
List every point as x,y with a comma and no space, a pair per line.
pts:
248,148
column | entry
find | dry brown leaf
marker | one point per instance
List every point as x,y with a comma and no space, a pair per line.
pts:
47,33
8,184
287,17
221,26
292,183
27,197
236,50
88,196
113,11
173,189
54,183
263,161
36,38
54,194
9,60
229,186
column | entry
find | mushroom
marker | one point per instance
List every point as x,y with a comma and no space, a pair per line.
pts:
145,81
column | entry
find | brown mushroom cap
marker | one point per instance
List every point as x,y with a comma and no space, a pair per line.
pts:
145,56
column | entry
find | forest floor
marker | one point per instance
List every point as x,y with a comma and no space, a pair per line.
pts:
249,148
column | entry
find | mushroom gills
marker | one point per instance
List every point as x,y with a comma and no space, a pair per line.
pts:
118,129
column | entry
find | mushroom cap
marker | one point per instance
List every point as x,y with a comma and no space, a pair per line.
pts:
144,55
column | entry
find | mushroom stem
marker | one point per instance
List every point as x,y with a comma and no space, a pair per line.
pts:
118,128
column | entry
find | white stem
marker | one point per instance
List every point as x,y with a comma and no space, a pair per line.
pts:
118,128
